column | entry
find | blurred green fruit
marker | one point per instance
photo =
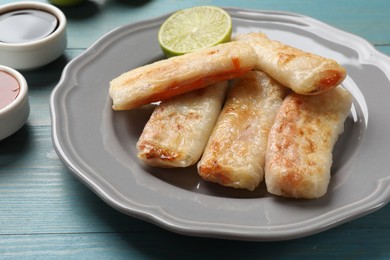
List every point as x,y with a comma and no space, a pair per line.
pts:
66,2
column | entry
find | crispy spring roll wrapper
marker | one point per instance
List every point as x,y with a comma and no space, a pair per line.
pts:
180,74
178,130
301,141
235,153
305,73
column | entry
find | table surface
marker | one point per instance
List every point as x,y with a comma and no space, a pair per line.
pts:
46,212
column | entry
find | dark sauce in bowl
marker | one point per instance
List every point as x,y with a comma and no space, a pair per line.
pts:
26,25
9,89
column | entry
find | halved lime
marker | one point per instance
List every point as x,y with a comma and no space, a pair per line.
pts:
194,28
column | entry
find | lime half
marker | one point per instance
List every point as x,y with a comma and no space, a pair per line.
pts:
194,28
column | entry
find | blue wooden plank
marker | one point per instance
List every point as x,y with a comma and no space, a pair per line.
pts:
385,49
343,242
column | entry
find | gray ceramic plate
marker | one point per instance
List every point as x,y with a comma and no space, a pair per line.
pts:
98,144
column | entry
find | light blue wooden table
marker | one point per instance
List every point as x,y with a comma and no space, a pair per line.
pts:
46,212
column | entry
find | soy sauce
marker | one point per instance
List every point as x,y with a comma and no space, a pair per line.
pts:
9,89
26,25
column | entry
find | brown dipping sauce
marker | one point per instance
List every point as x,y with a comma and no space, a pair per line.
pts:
26,25
9,89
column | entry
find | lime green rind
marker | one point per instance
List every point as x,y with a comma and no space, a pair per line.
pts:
167,46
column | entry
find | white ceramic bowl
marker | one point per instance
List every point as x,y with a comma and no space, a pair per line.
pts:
14,115
34,54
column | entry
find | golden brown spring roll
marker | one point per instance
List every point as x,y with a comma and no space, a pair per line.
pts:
178,130
303,72
235,153
300,144
180,74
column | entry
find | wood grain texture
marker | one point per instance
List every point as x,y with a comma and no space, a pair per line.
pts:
47,213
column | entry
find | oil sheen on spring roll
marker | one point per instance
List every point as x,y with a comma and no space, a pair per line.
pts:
178,129
177,75
300,144
303,72
235,153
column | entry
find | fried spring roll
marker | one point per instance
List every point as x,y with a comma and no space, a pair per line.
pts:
178,130
180,74
300,144
235,153
303,72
